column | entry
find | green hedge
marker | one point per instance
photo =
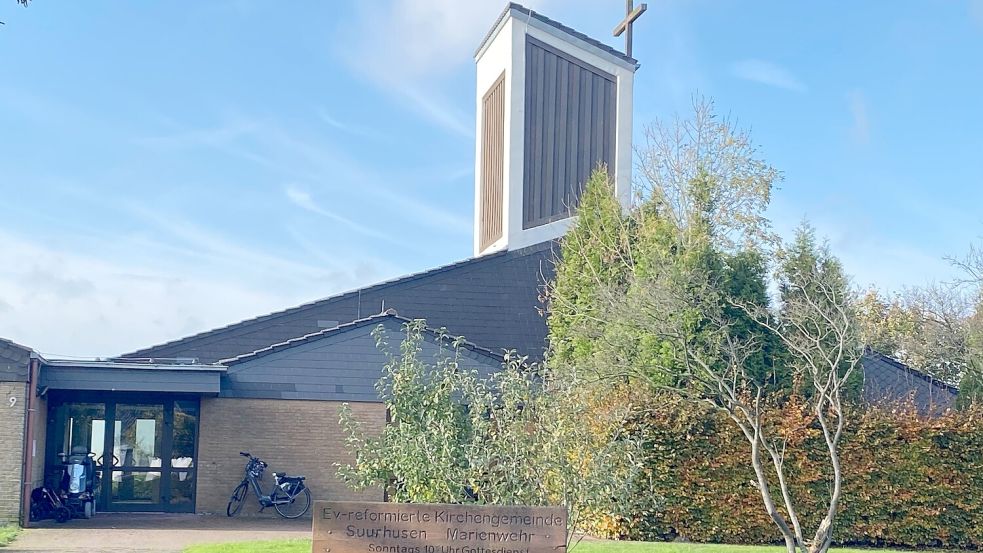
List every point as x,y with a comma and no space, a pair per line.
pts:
908,481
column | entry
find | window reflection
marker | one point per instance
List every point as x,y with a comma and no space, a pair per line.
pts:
136,487
182,487
85,425
185,431
137,435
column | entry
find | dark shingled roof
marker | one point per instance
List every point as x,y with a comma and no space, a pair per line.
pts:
339,364
14,361
887,380
557,25
492,301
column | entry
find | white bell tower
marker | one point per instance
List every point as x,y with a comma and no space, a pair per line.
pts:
552,105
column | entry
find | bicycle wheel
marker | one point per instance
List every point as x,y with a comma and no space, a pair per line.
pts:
237,499
295,507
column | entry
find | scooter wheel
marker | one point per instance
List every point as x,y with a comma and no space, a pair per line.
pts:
63,514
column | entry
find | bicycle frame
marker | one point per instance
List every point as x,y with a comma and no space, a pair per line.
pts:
266,499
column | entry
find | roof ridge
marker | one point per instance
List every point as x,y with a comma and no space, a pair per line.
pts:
344,327
556,25
8,341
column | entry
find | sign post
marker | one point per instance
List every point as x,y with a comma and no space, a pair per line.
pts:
372,527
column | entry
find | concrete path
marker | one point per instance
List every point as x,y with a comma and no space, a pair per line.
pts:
151,533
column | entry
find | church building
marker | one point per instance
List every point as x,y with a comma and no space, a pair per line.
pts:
166,423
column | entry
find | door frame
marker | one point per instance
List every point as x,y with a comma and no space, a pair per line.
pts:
110,401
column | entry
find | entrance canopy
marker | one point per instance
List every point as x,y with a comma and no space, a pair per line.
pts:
132,375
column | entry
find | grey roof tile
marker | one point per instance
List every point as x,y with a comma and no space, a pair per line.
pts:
493,301
887,380
14,361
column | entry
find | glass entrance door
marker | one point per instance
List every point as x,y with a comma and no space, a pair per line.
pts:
145,448
137,452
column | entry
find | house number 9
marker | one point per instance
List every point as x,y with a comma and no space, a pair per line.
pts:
13,401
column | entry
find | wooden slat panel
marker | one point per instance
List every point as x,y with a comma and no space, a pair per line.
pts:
544,193
492,163
569,127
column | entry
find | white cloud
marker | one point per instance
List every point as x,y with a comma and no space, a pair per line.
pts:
410,40
860,128
349,128
438,110
132,293
767,73
406,46
296,158
303,199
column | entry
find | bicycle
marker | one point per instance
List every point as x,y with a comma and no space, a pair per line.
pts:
289,496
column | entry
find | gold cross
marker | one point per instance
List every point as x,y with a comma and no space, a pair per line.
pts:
631,14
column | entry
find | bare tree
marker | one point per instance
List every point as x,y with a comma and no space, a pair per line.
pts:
816,324
677,152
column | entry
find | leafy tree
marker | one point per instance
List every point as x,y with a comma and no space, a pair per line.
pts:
805,259
598,249
689,311
518,437
702,197
886,325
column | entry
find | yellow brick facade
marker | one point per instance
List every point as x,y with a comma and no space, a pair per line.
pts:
12,396
293,436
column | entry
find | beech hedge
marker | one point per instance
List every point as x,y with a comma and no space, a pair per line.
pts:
909,480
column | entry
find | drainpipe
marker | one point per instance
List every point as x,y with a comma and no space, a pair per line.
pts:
27,466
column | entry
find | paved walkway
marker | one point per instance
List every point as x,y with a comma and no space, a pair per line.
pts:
152,533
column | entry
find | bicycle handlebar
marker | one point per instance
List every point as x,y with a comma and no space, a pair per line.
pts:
256,459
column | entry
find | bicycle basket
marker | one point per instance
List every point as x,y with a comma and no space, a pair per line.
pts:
256,470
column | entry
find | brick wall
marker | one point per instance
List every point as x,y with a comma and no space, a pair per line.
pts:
293,436
11,448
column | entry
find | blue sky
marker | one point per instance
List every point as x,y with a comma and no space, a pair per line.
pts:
167,168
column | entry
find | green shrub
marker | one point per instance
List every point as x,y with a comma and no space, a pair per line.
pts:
909,481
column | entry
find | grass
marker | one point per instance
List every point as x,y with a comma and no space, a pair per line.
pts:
280,546
304,546
7,533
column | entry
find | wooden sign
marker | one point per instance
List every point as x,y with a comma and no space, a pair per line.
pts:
371,527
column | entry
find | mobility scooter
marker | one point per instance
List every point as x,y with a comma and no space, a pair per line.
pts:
78,483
